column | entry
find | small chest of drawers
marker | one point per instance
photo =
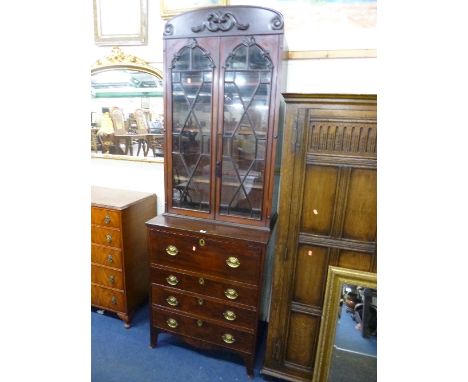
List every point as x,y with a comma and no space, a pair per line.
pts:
119,256
205,282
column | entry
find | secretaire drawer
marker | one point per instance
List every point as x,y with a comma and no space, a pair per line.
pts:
225,291
106,277
106,256
200,306
107,298
229,259
106,236
201,329
105,217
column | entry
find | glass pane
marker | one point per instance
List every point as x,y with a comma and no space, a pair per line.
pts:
183,61
246,101
191,138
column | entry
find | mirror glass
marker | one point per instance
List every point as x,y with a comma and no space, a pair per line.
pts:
354,353
126,112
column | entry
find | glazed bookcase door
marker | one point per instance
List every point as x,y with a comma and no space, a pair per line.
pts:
244,128
191,86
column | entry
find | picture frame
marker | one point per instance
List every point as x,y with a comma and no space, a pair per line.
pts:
171,8
120,22
337,277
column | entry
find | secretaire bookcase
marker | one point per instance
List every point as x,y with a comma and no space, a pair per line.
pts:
222,93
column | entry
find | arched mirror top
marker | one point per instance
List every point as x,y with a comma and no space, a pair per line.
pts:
125,86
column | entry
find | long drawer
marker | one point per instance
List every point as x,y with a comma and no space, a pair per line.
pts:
107,298
235,262
223,290
202,329
106,236
105,217
203,307
106,256
106,276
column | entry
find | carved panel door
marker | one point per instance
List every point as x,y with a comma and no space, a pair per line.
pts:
327,216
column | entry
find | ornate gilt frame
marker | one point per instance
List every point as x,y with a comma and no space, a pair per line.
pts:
336,278
167,11
117,59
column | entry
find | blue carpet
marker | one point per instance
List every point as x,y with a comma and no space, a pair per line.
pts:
124,355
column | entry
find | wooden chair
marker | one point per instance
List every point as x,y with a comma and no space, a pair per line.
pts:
121,134
155,141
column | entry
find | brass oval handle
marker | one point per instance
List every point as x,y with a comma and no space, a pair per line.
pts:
202,242
231,294
201,281
172,280
113,300
229,315
199,323
233,262
110,259
172,250
172,301
107,219
228,338
172,323
109,238
112,279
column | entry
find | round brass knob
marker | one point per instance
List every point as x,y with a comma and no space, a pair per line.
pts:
107,219
228,338
231,294
172,323
233,262
202,242
172,301
199,323
110,259
109,238
201,281
200,301
112,279
229,315
172,280
172,250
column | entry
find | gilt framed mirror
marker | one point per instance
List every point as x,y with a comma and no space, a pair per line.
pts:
347,344
127,120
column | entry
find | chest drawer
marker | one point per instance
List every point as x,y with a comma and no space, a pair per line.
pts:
106,256
106,236
107,277
228,259
105,217
107,298
202,307
204,330
229,292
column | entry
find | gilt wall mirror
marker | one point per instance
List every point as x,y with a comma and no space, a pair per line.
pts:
347,346
126,109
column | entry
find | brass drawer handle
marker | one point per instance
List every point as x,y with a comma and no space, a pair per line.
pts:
172,250
172,280
109,238
228,338
200,301
201,281
229,315
172,301
107,219
233,262
112,279
110,259
231,294
199,323
202,242
113,300
172,323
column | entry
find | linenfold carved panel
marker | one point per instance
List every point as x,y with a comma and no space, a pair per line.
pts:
350,138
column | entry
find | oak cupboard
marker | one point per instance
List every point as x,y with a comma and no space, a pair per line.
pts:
119,256
327,216
222,93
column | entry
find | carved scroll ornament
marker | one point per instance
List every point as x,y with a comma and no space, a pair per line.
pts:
218,21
